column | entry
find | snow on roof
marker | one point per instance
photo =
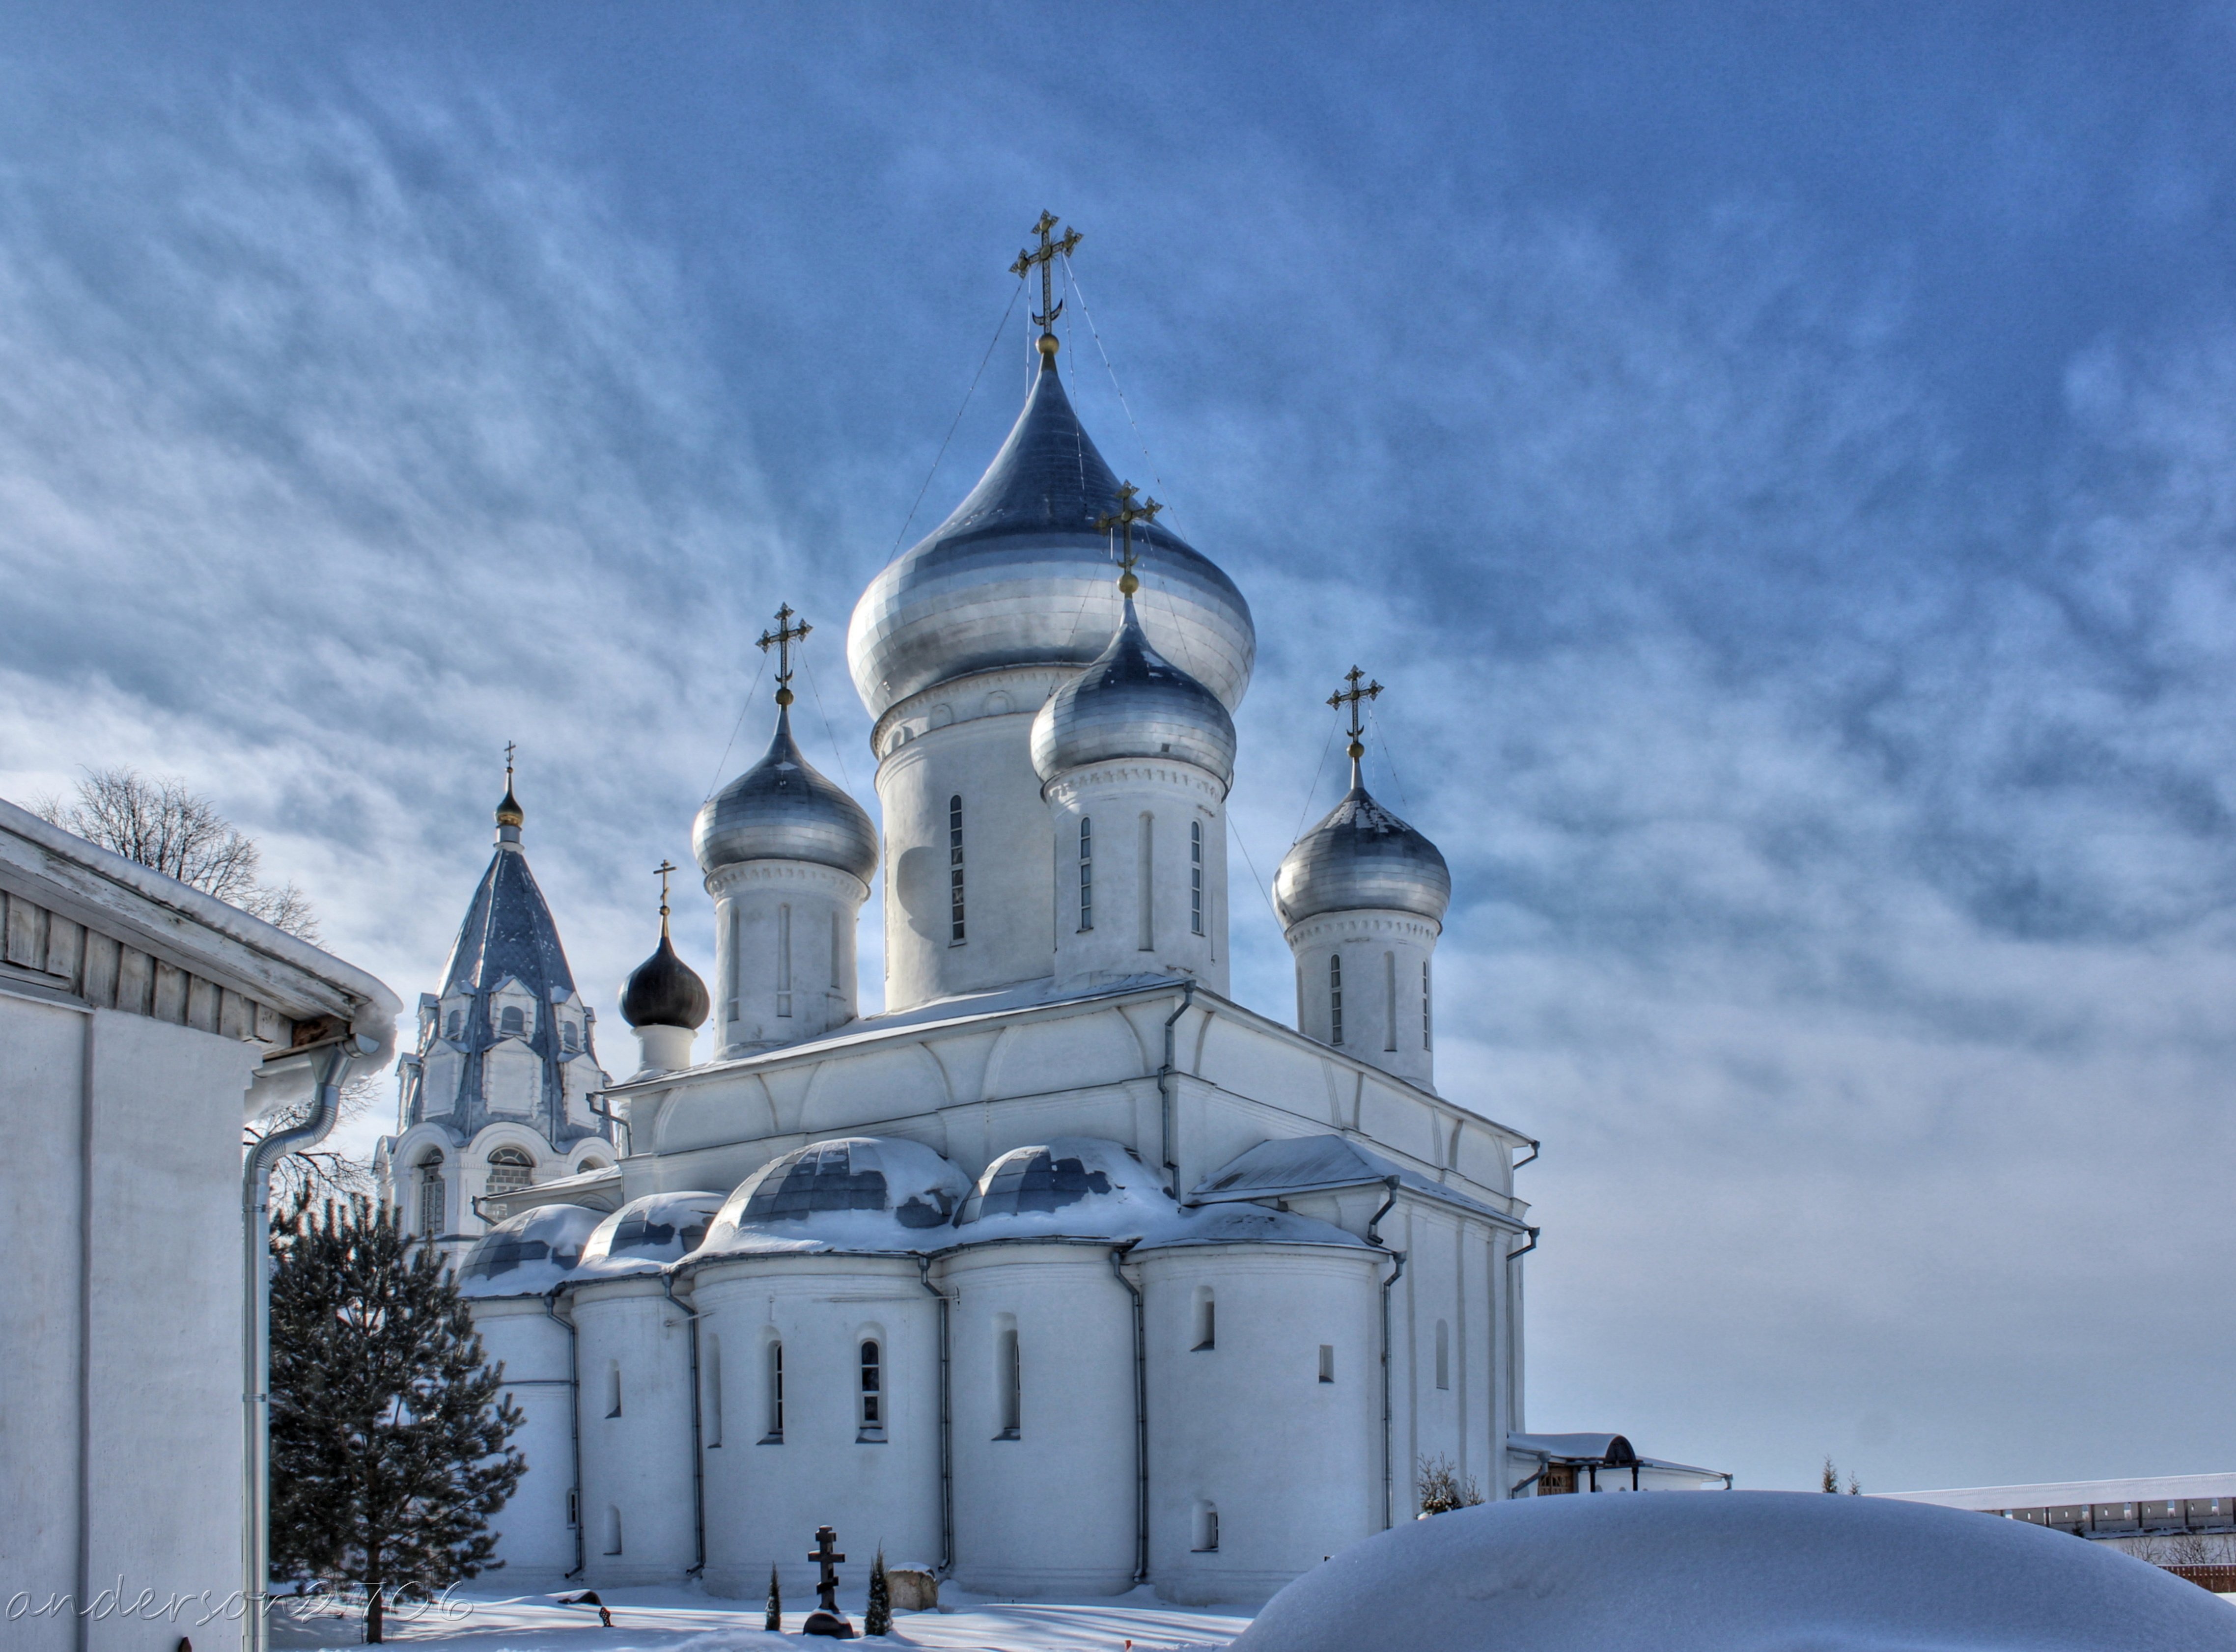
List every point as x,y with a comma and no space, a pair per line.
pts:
2056,1493
1298,1165
647,1234
1575,1448
529,1254
853,1193
1753,1569
1075,1186
1238,1225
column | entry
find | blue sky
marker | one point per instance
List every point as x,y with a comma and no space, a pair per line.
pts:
1778,456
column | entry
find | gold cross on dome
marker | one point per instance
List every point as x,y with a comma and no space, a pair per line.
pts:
1350,698
508,749
1124,517
781,639
1051,249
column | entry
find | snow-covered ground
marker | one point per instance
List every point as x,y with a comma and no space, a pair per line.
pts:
672,1620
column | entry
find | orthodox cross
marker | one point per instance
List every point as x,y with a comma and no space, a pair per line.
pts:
509,749
661,872
781,639
1124,517
1045,255
1350,698
825,1554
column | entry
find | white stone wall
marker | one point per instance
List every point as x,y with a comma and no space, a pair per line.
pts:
1388,988
634,1358
785,938
535,1528
1149,823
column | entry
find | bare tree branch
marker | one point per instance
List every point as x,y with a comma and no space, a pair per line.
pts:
301,1180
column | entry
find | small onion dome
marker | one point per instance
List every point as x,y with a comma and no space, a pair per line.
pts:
1362,857
664,991
782,809
509,811
1132,702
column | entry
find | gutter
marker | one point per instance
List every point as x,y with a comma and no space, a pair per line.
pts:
698,1450
574,1424
330,1060
946,1426
1140,1424
1374,1238
1167,1123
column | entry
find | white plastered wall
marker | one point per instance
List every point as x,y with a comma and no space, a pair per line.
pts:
784,936
535,1535
1148,821
634,1347
1388,987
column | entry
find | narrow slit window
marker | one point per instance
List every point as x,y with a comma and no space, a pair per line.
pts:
1148,882
784,961
612,1530
710,1380
1195,878
775,1394
837,951
873,1394
1335,997
730,970
612,1388
431,1196
1207,1529
1427,1040
955,870
1390,1002
1327,1362
1207,1322
1086,873
1009,1374
1443,1354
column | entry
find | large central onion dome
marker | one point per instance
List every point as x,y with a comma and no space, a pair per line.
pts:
782,809
1019,576
1362,857
1132,702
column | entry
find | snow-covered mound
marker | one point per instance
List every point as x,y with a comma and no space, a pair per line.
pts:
1734,1571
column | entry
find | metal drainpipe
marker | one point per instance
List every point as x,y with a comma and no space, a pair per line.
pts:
698,1448
625,1143
1140,1425
1374,1238
946,1428
1166,1123
1513,1349
574,1419
334,1061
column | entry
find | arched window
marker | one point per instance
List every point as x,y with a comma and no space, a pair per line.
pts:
431,1196
456,1022
1148,881
567,1035
612,1388
873,1396
1443,1354
1426,1028
1086,873
509,1168
775,1435
1335,997
955,870
612,1530
1327,1362
510,1023
1195,878
784,960
1206,1528
1390,1001
1207,1320
1008,1383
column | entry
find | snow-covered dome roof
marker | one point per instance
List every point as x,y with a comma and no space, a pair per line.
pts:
782,809
1705,1571
1360,857
1019,575
1132,702
529,1254
1071,1184
855,1193
648,1233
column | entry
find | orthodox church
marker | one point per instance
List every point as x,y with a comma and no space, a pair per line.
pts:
1066,1272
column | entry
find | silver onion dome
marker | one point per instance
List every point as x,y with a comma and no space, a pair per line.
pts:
1362,857
782,809
1132,702
1019,576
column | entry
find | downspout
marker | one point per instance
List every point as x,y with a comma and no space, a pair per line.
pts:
1513,1348
333,1058
1166,1123
573,1420
1374,1238
1140,1425
946,1428
625,1145
698,1450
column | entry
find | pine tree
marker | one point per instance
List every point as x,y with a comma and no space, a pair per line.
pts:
772,1614
389,1433
878,1619
1831,1480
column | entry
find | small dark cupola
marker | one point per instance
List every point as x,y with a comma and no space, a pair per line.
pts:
664,991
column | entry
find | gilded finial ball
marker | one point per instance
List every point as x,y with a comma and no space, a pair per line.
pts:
1050,344
783,697
1127,584
1354,751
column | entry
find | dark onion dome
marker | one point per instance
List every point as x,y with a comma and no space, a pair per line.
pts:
664,991
1362,857
1019,575
782,809
1132,702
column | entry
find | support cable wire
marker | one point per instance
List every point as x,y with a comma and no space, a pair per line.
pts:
1000,328
838,751
1374,723
723,762
1325,746
1074,279
1236,832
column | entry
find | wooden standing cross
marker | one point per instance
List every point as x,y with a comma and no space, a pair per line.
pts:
825,1554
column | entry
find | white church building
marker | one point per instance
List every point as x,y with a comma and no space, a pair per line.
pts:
1066,1272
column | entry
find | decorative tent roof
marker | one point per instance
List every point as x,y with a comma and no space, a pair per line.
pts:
507,933
1019,575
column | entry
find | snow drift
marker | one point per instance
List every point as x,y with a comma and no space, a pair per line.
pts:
1734,1571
